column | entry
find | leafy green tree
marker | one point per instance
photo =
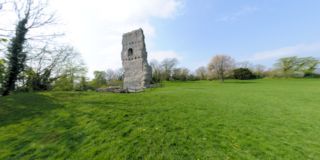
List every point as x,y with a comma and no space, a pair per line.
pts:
64,83
100,79
192,77
291,65
71,77
180,74
308,65
288,65
243,74
83,85
3,42
36,81
2,72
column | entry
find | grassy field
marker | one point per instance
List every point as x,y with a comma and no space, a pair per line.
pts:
261,119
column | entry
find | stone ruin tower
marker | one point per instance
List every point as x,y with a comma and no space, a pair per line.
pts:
137,72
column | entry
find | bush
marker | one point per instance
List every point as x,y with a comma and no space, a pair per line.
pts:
64,83
243,74
192,77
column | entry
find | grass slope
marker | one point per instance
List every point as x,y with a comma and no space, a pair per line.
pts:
261,119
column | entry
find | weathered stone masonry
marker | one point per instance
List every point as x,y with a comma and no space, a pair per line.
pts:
137,72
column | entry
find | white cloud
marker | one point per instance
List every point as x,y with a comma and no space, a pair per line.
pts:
161,55
238,14
312,49
95,27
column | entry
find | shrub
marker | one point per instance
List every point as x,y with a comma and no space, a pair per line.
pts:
243,74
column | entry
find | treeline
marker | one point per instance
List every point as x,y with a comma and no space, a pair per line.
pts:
223,67
61,69
103,79
295,67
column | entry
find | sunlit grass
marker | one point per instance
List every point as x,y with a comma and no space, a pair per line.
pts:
260,119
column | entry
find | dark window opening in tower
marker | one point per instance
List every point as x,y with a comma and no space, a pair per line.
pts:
130,52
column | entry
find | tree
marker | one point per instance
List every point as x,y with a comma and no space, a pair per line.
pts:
288,65
180,74
2,72
3,43
16,57
30,15
35,81
156,71
243,74
111,75
114,77
308,65
168,65
49,64
244,64
75,69
192,77
71,78
67,68
220,65
259,71
100,79
305,66
83,85
201,73
64,83
119,73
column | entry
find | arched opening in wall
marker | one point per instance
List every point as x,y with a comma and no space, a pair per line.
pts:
130,52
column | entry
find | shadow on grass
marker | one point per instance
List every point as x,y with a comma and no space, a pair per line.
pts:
22,106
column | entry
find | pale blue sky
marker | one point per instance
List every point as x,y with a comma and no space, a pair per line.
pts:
259,31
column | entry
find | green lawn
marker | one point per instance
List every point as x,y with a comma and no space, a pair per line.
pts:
260,119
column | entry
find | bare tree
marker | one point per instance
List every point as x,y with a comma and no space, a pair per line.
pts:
221,65
111,75
119,73
202,73
36,13
259,70
244,64
31,15
156,71
168,66
49,64
114,75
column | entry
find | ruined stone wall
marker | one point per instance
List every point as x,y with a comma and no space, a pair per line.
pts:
137,72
